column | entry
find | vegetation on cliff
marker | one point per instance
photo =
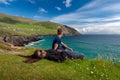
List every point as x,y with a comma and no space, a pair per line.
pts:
24,26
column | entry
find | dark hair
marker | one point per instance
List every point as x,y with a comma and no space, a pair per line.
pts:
35,54
59,30
32,58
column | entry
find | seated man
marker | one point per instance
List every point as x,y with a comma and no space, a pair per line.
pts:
59,46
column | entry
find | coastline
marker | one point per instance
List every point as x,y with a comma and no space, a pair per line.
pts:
22,40
19,40
32,43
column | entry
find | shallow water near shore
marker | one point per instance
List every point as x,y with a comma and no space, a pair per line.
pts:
92,46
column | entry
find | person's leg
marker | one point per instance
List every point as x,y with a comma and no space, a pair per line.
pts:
75,55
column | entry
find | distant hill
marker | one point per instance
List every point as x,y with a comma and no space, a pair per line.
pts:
24,26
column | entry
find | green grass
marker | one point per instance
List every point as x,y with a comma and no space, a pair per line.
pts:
25,29
12,67
24,26
13,25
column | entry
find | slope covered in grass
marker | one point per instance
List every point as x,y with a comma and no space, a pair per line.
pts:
13,68
23,26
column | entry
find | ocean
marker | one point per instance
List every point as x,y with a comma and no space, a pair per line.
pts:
92,46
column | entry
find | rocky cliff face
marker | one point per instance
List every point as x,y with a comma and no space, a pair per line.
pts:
68,31
18,40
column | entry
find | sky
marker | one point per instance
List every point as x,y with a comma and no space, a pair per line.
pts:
86,16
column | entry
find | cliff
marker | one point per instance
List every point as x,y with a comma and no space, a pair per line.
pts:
21,31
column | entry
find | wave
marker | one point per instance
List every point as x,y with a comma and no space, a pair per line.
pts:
34,43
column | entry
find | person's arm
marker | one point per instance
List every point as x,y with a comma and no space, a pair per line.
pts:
64,45
55,47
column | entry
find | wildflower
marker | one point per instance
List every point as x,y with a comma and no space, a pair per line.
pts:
87,68
91,72
94,67
102,74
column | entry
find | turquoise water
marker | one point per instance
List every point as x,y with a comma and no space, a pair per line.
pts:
107,46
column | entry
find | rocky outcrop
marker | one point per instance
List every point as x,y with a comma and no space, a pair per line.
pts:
18,40
68,31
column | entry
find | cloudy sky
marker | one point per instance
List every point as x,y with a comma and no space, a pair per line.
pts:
86,16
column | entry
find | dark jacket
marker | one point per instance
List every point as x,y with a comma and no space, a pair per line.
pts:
56,56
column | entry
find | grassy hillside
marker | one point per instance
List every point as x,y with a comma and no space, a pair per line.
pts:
13,68
24,26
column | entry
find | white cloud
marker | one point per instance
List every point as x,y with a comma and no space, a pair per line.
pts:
102,28
36,17
58,8
114,7
67,3
6,2
98,16
94,4
32,1
42,10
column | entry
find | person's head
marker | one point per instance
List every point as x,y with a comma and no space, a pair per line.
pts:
40,54
36,56
60,31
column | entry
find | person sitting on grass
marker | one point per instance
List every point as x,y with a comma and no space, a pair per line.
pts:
59,46
57,43
52,55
